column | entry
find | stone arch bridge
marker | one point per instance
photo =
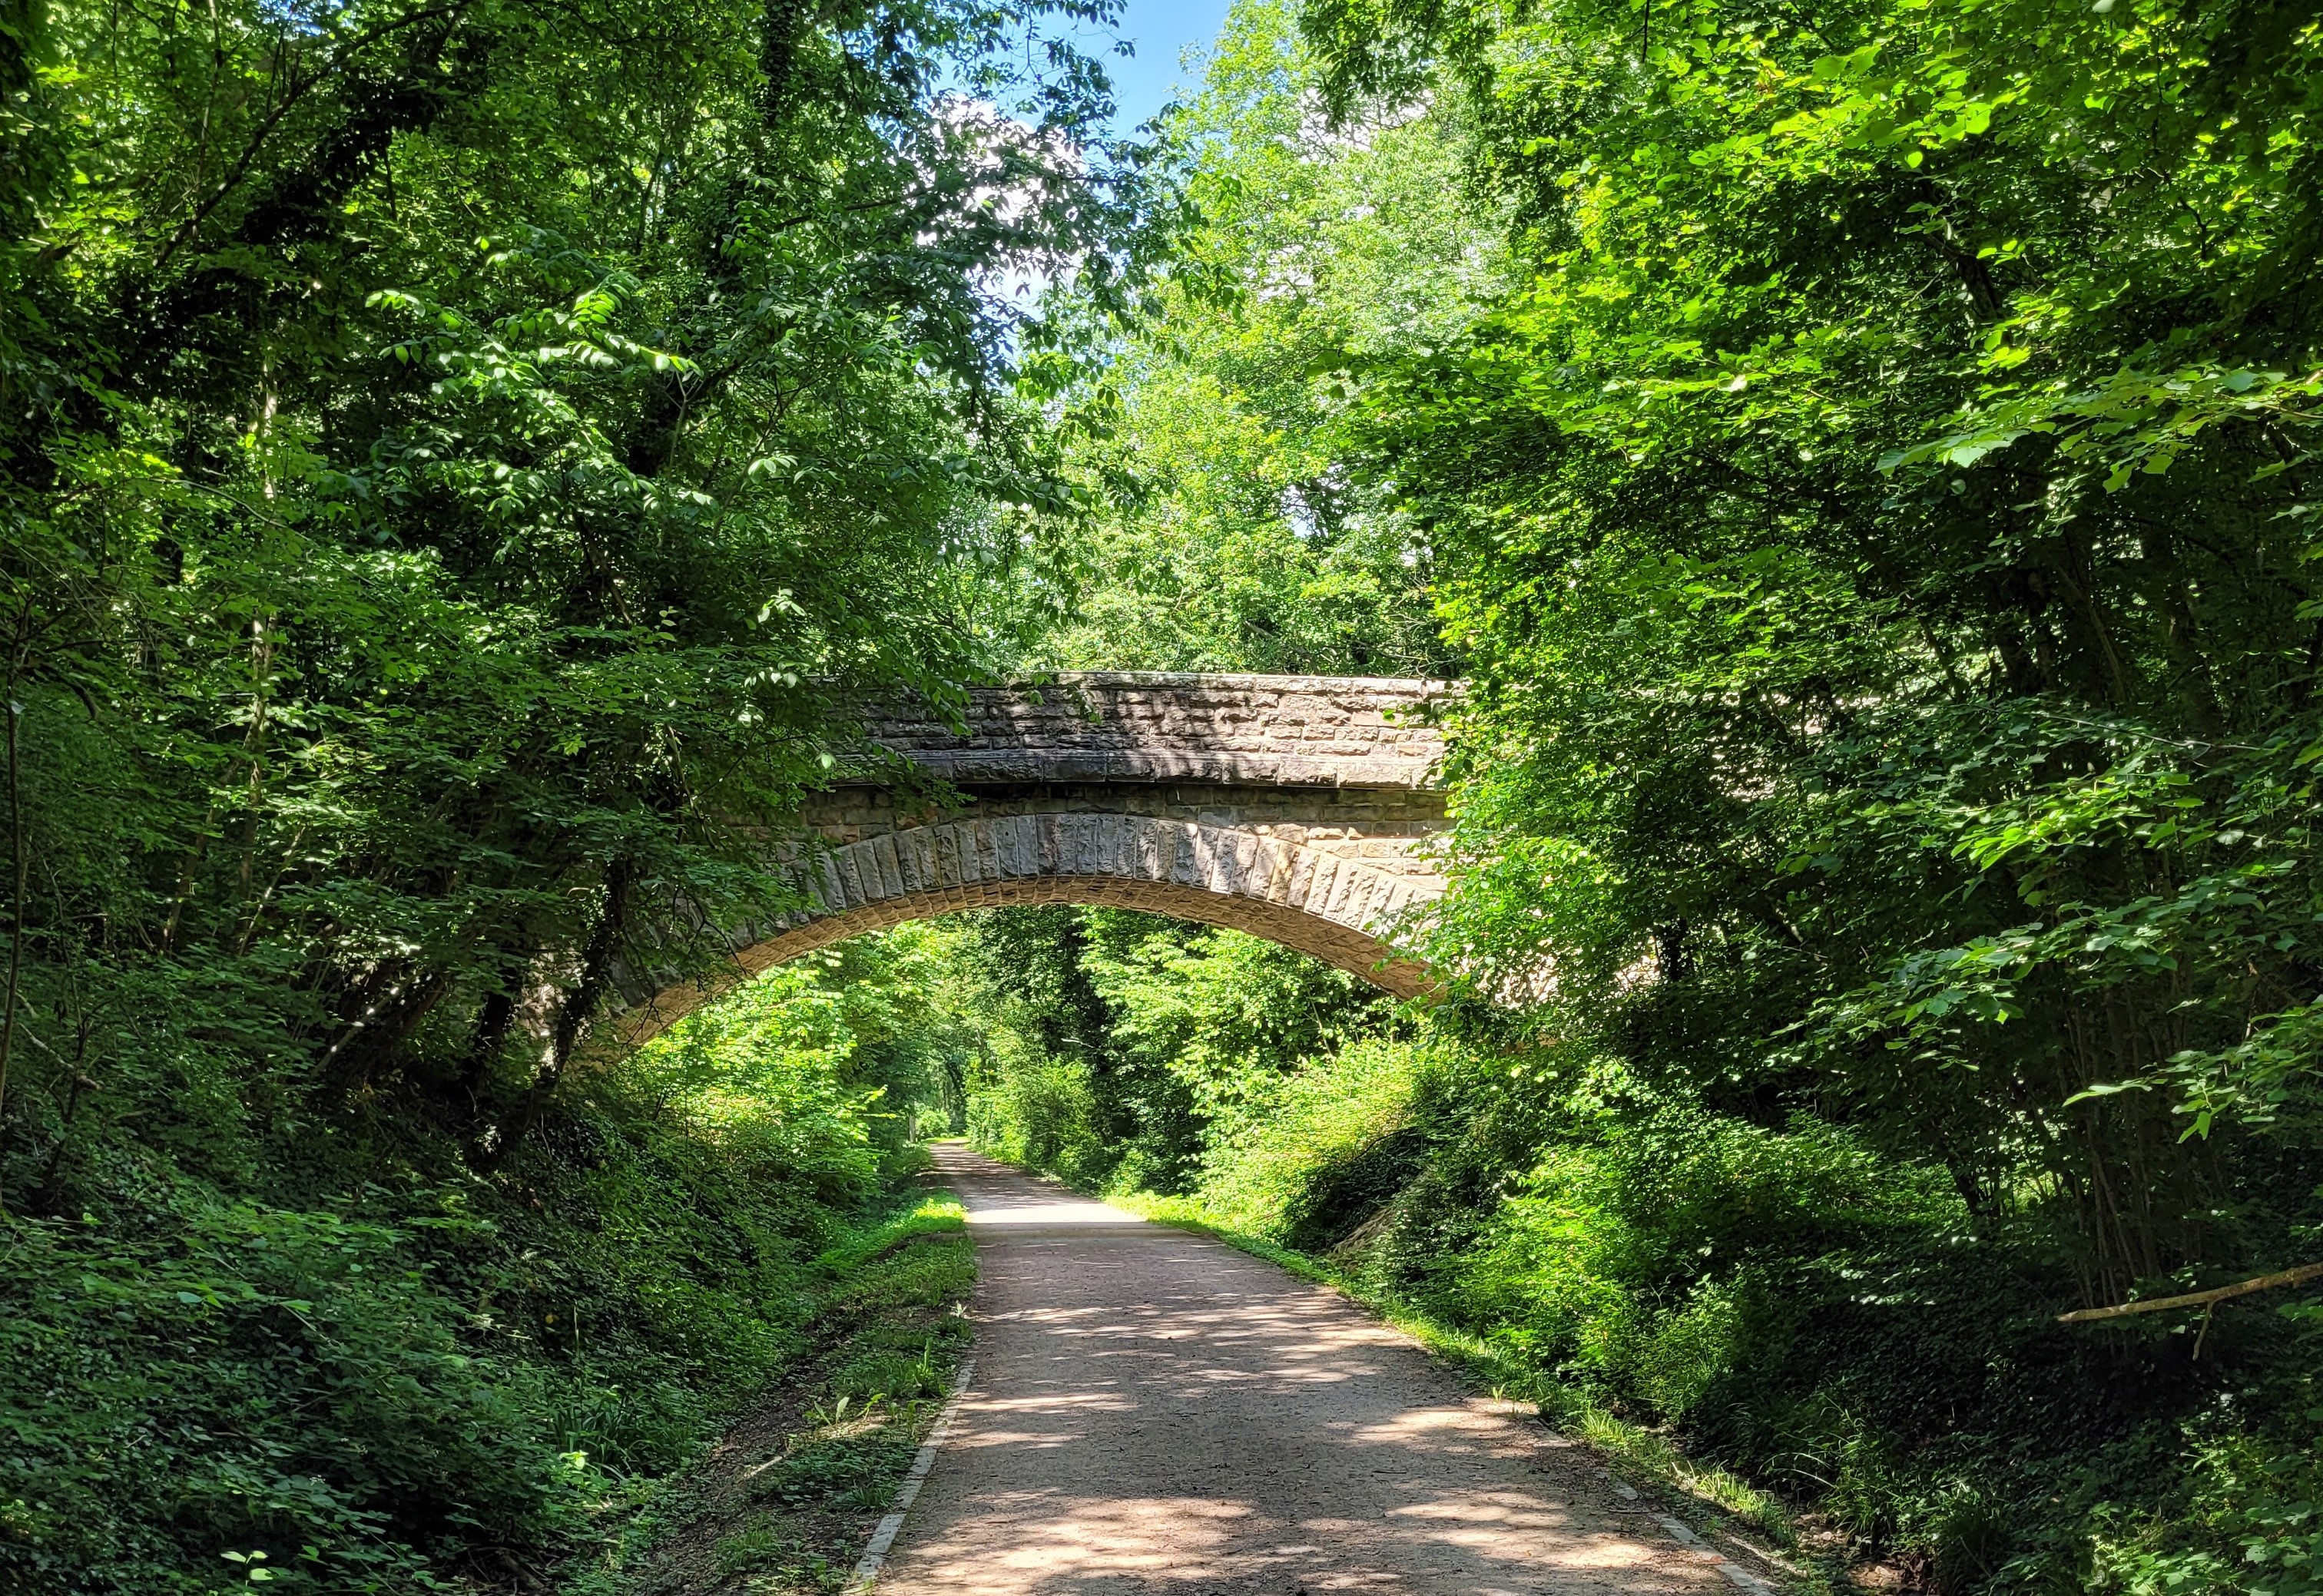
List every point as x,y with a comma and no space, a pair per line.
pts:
1295,808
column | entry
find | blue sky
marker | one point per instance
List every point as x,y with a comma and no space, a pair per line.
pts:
1161,29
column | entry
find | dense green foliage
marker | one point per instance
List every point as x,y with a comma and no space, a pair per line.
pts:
330,1340
1115,1048
1973,766
1861,462
462,464
457,465
1226,534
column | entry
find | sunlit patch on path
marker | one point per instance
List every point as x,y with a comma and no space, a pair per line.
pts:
1154,1412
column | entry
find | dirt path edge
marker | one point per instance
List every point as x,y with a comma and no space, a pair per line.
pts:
883,1539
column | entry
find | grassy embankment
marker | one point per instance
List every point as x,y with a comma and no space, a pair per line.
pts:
786,1500
329,1347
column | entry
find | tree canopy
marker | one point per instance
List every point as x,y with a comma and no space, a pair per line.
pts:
465,462
462,459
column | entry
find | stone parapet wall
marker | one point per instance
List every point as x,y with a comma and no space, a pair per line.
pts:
1140,726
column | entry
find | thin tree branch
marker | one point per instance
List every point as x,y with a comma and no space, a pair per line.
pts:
296,90
2122,1310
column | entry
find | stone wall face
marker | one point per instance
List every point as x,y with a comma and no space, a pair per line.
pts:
1296,808
1326,732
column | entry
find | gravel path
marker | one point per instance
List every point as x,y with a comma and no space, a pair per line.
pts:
1154,1412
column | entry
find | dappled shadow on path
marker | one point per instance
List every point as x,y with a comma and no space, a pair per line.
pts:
1155,1412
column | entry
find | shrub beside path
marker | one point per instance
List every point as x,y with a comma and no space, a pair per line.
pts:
1154,1412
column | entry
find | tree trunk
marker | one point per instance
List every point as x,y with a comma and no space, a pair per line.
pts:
580,1003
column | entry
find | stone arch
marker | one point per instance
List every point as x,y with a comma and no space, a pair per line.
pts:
1297,808
1313,899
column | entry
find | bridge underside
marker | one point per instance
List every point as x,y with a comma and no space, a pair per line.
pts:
1334,944
1321,898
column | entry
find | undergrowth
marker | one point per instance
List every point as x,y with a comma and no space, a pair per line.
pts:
784,1503
326,1347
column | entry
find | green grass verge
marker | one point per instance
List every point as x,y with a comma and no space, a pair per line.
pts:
783,1506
